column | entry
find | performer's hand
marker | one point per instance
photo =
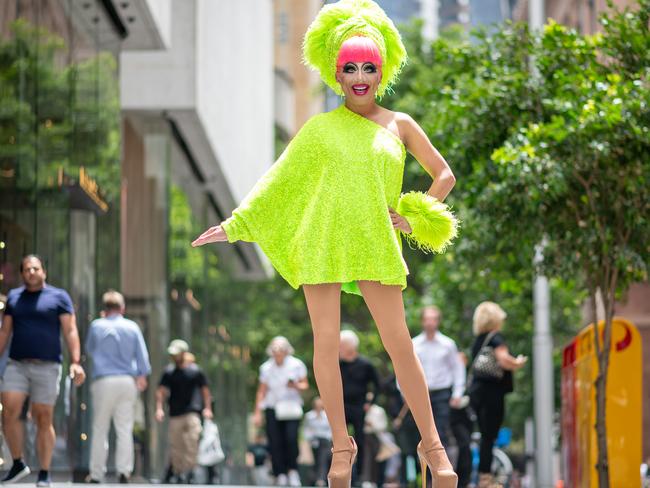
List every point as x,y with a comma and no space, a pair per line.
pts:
397,423
399,222
213,234
207,413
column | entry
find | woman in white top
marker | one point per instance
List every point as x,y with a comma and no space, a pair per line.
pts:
282,378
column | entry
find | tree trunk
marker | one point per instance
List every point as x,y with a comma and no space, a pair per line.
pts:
602,354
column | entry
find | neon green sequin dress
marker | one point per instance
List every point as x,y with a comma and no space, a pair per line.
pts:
320,213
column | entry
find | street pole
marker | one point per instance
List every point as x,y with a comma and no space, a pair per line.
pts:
536,14
429,13
543,380
544,405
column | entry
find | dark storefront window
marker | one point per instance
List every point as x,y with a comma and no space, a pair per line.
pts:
60,166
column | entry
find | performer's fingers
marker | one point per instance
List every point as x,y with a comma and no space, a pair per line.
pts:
200,241
211,230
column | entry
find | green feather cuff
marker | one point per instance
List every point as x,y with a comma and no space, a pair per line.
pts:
433,225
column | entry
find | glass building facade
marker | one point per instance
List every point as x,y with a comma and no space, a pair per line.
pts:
60,167
68,152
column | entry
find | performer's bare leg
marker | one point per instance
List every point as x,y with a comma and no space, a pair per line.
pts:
387,308
324,305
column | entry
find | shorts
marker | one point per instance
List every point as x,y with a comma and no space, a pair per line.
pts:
38,379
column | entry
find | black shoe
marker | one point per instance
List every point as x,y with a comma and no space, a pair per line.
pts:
93,481
43,480
17,472
123,479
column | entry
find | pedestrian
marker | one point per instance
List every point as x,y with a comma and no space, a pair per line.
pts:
185,387
375,425
443,370
462,424
281,379
329,215
317,432
360,387
37,313
487,393
120,369
257,455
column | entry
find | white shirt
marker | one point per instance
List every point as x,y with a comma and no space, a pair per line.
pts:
316,426
276,376
442,366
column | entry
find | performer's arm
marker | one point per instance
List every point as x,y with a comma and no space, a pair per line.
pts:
418,144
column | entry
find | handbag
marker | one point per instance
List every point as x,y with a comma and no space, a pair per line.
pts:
288,410
485,364
210,451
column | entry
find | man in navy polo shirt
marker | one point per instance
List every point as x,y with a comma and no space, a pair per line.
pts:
36,314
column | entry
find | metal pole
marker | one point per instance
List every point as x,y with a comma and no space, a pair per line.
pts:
429,13
543,380
544,405
536,14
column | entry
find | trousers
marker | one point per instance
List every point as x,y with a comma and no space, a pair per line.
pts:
114,400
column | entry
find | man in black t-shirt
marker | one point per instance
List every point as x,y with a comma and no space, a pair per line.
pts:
357,373
188,397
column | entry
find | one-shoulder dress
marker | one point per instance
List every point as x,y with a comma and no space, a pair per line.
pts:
320,213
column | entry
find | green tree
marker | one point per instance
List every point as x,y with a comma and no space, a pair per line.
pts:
578,177
560,157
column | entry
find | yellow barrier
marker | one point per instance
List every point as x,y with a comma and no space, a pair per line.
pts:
623,417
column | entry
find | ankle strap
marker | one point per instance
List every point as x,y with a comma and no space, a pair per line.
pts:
342,449
435,448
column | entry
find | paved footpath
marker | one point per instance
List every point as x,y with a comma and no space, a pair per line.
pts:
66,484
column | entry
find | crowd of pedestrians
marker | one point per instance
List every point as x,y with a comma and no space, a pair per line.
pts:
35,318
459,405
464,392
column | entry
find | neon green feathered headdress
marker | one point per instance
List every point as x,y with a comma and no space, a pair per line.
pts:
336,23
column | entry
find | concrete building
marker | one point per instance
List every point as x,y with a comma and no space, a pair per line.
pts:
298,91
440,14
196,112
580,14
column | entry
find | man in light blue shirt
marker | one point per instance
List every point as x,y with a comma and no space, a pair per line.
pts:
120,369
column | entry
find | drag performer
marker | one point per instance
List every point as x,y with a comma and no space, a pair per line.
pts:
329,215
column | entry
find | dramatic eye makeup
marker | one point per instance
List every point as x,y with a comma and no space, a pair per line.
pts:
367,68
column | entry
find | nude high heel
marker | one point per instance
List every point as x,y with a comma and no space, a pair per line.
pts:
440,478
342,478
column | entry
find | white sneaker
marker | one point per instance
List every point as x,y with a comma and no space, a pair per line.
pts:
281,480
294,478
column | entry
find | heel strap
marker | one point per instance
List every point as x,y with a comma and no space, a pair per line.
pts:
342,449
430,449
